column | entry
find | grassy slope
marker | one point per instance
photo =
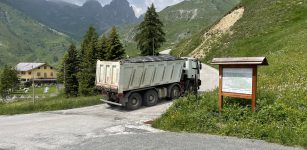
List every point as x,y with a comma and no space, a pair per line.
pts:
179,22
275,29
23,39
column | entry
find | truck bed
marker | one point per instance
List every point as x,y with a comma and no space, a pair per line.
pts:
138,73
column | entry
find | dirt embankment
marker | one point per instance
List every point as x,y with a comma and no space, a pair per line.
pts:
216,32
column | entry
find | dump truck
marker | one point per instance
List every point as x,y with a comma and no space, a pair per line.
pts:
144,80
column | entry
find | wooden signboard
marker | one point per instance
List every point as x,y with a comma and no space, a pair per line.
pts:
238,78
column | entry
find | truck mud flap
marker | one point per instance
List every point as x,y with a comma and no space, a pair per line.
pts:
109,102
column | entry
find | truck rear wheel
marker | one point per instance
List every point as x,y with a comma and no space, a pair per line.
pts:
134,101
150,98
175,92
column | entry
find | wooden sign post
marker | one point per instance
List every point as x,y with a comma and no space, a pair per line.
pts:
238,78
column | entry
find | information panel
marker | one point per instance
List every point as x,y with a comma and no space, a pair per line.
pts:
237,80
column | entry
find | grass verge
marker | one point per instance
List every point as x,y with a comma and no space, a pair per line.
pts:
49,104
278,123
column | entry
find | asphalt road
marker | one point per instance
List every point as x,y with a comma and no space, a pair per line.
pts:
102,127
175,141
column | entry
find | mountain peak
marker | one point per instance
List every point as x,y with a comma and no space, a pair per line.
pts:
119,2
92,4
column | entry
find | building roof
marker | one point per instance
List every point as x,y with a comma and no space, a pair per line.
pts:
28,66
141,59
240,61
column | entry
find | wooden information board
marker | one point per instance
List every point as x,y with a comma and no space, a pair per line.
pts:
238,78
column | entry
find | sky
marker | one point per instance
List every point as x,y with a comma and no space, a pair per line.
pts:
139,6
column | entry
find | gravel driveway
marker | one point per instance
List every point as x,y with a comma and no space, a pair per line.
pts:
102,127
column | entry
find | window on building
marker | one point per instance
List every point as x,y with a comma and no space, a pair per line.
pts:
45,75
51,74
22,72
45,67
51,67
38,74
39,68
29,72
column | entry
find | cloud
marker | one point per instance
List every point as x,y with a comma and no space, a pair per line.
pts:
161,4
137,10
140,7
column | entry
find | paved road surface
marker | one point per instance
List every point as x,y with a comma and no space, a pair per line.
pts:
175,141
209,78
101,127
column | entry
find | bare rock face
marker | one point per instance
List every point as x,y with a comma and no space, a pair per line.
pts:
216,32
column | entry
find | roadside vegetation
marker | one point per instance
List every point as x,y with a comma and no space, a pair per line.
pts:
272,28
49,104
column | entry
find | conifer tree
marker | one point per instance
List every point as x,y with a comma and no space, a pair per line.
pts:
150,35
88,40
71,70
8,81
116,50
102,48
88,58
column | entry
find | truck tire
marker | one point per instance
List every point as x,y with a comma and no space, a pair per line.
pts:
174,92
134,101
150,98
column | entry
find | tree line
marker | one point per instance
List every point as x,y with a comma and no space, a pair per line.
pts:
8,81
78,68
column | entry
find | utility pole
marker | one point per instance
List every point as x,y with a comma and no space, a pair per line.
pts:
33,88
153,46
64,69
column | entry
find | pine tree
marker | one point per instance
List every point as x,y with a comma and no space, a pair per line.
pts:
150,35
88,40
116,50
88,58
71,70
8,81
102,48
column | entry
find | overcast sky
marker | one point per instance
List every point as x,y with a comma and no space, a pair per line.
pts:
139,6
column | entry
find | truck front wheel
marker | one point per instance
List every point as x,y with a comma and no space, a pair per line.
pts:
134,101
150,98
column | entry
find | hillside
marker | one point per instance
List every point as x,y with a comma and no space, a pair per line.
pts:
74,20
272,28
185,19
23,39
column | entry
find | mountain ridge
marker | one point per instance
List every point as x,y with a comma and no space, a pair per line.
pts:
74,20
25,39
